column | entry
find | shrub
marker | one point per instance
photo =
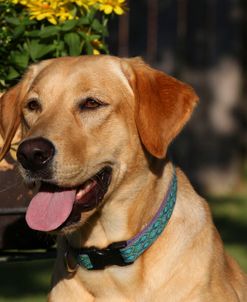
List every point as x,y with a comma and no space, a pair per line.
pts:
33,30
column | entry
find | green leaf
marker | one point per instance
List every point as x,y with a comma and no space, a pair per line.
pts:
48,31
59,45
89,48
33,33
12,20
96,25
28,21
64,53
83,21
19,59
100,28
59,48
88,37
91,14
94,37
73,41
68,25
12,74
18,31
38,50
83,35
2,85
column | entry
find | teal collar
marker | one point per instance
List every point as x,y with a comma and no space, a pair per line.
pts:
126,252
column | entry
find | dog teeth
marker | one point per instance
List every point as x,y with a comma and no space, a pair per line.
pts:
86,188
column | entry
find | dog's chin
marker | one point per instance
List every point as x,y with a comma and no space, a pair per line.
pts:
86,199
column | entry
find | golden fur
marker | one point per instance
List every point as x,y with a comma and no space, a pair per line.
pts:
146,110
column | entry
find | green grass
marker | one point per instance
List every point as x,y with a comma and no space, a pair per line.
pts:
29,281
25,282
230,215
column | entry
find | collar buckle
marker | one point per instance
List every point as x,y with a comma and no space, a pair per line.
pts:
100,258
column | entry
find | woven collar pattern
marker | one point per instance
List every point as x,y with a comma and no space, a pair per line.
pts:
133,248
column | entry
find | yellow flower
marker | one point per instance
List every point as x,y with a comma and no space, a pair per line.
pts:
96,52
92,2
56,11
97,45
23,2
82,3
109,6
53,10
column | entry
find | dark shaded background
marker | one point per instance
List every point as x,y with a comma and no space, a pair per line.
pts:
204,44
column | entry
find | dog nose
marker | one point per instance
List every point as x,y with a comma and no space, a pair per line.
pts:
35,154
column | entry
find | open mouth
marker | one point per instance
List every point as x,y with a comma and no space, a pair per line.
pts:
54,207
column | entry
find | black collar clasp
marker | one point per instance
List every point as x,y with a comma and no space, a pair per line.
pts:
100,258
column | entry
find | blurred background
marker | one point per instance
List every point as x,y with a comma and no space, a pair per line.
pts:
203,43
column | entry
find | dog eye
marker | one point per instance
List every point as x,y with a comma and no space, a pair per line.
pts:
33,105
89,103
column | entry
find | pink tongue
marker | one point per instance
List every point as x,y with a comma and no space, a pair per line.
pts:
47,210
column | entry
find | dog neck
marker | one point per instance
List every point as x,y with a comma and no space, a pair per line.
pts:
125,215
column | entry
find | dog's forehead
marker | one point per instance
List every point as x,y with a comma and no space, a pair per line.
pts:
78,74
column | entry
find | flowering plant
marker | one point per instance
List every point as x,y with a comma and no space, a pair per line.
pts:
32,30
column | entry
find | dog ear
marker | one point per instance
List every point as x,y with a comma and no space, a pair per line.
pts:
10,106
9,117
163,105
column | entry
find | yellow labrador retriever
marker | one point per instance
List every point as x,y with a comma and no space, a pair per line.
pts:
130,225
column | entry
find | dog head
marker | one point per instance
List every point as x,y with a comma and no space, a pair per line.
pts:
87,121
